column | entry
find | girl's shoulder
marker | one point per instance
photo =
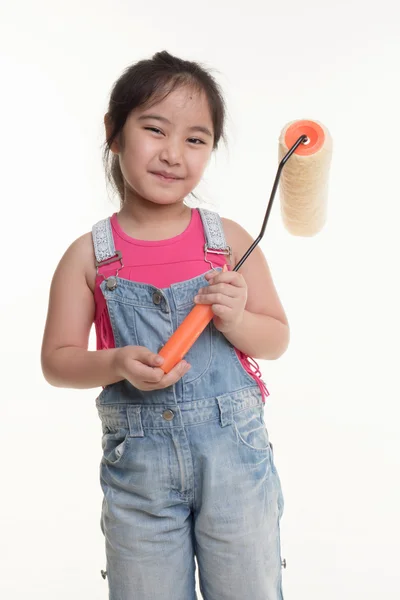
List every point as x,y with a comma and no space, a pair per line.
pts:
80,258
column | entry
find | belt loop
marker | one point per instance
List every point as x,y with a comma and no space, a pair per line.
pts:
225,410
134,416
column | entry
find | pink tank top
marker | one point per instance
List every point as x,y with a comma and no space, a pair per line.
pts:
160,263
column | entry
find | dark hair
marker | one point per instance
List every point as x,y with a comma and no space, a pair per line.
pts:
148,82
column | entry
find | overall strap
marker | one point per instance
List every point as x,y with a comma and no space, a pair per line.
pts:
103,243
214,233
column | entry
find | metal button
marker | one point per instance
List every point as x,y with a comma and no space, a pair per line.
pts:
168,414
111,283
157,298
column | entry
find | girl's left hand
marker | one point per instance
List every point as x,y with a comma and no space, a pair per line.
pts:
227,294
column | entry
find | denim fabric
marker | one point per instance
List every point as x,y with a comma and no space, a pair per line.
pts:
189,470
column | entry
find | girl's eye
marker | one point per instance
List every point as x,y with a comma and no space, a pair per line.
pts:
154,129
195,141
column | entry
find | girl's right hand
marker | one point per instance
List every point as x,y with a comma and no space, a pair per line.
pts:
141,368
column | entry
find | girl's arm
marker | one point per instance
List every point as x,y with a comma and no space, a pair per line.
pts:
264,331
66,361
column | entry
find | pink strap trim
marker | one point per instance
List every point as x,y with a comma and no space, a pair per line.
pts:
253,369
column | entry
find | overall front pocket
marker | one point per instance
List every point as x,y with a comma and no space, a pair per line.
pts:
115,442
250,429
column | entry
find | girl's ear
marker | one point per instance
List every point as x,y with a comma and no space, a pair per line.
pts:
109,129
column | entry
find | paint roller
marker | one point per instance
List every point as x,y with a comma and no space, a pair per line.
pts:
303,193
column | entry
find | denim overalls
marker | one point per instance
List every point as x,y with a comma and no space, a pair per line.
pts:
188,470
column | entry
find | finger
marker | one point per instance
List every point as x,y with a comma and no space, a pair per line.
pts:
215,272
215,299
231,277
220,288
175,374
146,373
147,357
224,312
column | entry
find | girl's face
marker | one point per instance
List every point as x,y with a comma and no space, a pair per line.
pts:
167,147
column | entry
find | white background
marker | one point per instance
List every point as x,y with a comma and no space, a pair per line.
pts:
333,413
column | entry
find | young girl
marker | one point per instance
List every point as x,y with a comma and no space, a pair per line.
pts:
187,467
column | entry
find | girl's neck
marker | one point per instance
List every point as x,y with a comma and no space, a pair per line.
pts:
149,221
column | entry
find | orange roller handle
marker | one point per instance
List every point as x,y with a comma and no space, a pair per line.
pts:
185,336
187,333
